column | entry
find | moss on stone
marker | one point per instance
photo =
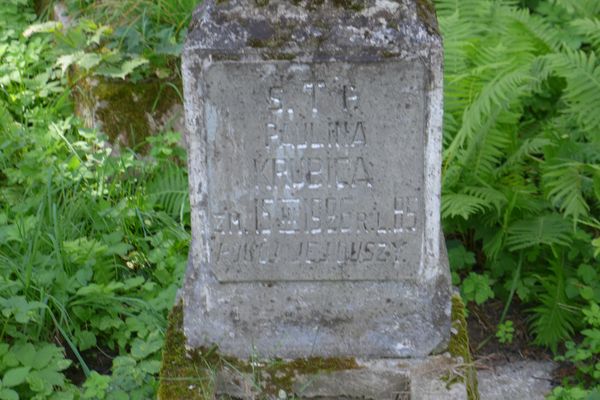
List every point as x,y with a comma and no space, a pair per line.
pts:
459,347
178,371
122,108
272,55
191,374
349,4
313,5
280,374
275,42
226,57
426,13
390,54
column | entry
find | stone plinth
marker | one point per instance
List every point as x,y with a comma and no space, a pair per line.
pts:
204,373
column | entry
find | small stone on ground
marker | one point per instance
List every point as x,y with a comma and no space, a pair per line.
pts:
531,380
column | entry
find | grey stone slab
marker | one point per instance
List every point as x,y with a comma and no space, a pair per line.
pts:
390,379
530,380
314,159
311,188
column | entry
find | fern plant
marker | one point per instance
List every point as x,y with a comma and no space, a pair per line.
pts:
521,172
168,191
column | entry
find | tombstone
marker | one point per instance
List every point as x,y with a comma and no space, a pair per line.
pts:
314,167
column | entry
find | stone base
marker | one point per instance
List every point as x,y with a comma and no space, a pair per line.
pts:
205,374
432,378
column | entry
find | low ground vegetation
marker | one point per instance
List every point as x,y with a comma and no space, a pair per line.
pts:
93,245
521,172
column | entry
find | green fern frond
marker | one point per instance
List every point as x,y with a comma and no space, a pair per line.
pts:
168,191
528,148
549,230
582,93
565,183
503,89
495,96
462,205
459,92
492,197
451,125
521,24
553,320
581,8
493,244
454,50
589,28
451,177
471,10
485,152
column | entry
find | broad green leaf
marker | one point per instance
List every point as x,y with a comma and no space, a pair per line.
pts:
587,273
596,245
85,340
15,376
141,349
84,275
107,323
119,249
114,286
68,59
477,287
50,376
124,69
36,383
100,32
150,366
133,282
90,289
25,353
10,359
89,60
8,394
3,349
63,364
587,293
44,355
460,257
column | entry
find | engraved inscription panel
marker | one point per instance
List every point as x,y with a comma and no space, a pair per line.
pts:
315,171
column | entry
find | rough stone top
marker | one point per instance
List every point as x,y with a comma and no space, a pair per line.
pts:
313,30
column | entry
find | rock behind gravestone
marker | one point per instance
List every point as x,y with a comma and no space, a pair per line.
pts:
314,158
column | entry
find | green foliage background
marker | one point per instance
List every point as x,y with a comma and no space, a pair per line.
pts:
93,245
521,172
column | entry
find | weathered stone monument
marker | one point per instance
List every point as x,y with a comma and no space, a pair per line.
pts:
314,158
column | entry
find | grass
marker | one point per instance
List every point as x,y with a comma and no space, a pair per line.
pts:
93,246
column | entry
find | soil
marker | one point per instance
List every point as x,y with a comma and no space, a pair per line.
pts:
487,351
99,360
